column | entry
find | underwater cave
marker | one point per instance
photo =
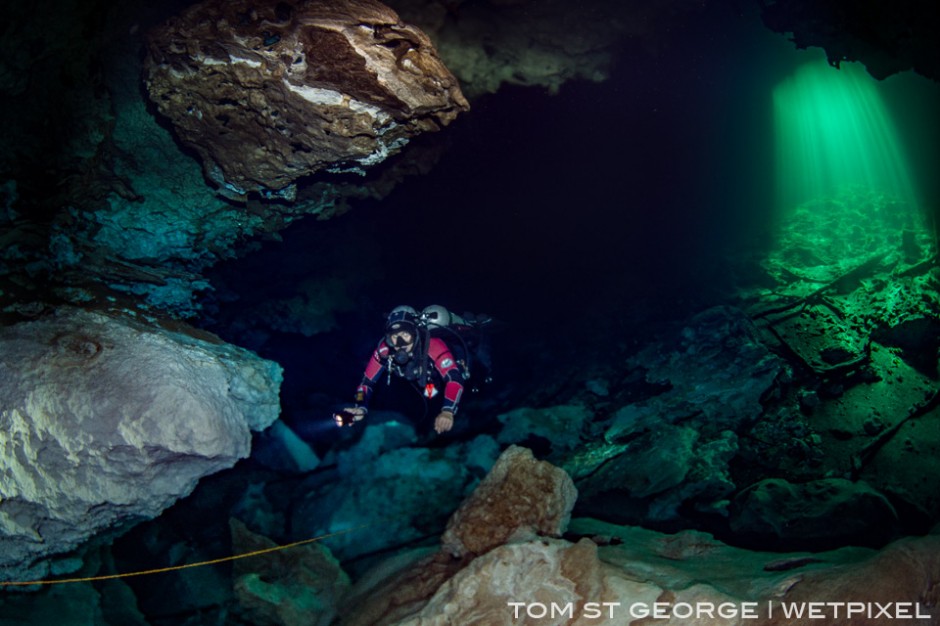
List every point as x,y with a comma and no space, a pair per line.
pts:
689,253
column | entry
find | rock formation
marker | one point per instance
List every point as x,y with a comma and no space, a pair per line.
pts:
407,490
298,587
269,92
105,422
802,514
673,450
621,575
886,38
520,497
538,43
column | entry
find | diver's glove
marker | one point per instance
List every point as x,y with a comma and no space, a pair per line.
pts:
444,422
350,415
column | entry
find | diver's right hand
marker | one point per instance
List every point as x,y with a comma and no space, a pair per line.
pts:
350,415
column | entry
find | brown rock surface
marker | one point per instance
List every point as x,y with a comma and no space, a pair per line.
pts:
398,589
627,575
267,92
519,499
897,584
688,579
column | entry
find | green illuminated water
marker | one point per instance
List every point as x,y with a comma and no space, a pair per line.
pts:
833,131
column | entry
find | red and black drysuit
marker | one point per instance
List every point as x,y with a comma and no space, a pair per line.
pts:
440,368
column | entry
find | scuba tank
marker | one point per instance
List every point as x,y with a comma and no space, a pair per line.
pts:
444,325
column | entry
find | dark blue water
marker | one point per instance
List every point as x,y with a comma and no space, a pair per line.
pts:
579,220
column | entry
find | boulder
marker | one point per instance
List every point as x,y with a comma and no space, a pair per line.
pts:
650,465
300,586
396,493
106,421
520,498
560,426
267,92
802,514
659,476
545,571
707,485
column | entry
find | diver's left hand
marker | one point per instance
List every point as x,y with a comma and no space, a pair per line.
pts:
444,422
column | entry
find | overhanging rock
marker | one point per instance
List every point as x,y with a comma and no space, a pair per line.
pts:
267,92
105,422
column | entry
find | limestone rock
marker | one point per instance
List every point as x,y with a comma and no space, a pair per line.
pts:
683,576
398,493
520,498
707,485
539,43
622,574
658,473
296,587
267,92
548,571
573,585
655,462
281,449
560,426
673,450
903,572
105,422
397,588
776,509
886,40
717,369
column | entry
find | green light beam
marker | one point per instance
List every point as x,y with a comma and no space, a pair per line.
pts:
833,132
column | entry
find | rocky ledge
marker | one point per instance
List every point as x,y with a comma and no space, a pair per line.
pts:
268,92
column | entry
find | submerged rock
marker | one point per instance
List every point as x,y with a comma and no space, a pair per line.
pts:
718,371
520,497
519,500
269,92
670,454
105,422
802,514
296,587
540,43
626,575
687,576
399,494
560,426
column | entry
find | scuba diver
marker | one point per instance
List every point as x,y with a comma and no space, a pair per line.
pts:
414,348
